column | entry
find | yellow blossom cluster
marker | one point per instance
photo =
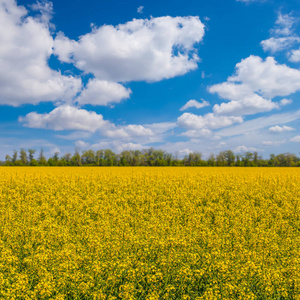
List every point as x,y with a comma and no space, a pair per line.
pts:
149,233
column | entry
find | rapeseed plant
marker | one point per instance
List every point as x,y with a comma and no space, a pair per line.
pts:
149,233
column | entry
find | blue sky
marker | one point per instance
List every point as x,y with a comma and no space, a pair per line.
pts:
180,76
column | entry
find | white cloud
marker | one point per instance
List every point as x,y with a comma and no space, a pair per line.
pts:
66,117
101,145
117,146
221,145
284,24
285,101
64,47
46,9
149,50
140,9
128,131
102,92
85,122
279,44
81,144
295,139
194,103
159,128
142,134
248,105
129,146
278,129
283,34
244,148
267,77
208,121
231,90
184,152
273,143
26,46
295,56
200,133
54,150
260,123
254,84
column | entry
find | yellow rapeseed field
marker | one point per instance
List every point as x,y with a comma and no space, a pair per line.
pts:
149,233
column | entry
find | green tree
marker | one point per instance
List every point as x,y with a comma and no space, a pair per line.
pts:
248,159
76,159
110,158
255,158
42,159
65,160
23,157
229,157
88,157
211,160
15,156
31,155
100,158
221,159
126,158
238,159
193,159
55,158
8,160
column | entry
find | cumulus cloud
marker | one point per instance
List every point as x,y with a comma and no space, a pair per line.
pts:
231,90
244,148
284,24
283,34
208,121
248,105
140,9
102,92
46,10
260,123
295,139
148,50
159,128
129,146
81,144
295,56
129,131
54,150
26,46
184,152
200,133
117,146
64,47
66,117
268,78
278,44
285,101
280,129
251,89
273,143
195,104
141,49
142,134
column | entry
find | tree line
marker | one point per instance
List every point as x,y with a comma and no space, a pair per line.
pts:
148,157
